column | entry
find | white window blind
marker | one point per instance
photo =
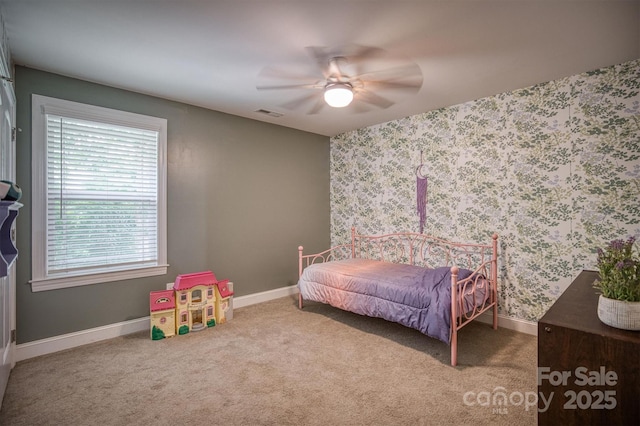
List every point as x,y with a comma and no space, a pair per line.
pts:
102,190
101,195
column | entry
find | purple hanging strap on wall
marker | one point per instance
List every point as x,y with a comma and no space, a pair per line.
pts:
421,194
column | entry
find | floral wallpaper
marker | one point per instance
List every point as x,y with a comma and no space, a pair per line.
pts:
554,169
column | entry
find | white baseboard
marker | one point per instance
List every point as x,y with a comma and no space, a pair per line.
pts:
515,324
78,338
265,296
67,341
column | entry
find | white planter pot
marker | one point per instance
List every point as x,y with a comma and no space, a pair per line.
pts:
619,313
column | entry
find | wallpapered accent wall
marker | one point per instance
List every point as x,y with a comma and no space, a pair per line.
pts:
554,169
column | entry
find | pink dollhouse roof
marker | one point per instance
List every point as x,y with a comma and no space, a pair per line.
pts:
223,288
187,281
162,300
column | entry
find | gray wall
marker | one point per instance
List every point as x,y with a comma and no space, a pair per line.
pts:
242,195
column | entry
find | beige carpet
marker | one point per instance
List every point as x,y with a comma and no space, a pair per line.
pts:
276,365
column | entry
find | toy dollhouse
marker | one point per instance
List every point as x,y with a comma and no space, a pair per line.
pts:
196,302
163,314
224,300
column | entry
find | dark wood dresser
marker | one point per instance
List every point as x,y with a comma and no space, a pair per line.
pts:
588,372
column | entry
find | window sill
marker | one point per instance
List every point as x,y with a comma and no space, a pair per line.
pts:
76,281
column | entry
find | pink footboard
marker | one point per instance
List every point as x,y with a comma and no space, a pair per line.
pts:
344,251
483,283
470,297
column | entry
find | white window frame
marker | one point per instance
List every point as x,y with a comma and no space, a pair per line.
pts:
43,105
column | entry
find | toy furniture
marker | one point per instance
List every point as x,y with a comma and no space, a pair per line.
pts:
413,279
163,314
224,301
195,301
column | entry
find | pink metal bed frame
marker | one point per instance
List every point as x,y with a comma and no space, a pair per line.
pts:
431,252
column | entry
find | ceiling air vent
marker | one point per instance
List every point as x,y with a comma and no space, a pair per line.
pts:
269,113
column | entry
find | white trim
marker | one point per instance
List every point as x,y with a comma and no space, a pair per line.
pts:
45,284
514,324
68,341
79,338
265,296
42,105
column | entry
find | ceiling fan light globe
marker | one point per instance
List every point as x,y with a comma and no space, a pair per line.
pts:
338,95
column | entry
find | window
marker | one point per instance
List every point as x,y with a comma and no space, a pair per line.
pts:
98,194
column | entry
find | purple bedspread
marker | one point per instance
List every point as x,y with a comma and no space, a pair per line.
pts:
413,296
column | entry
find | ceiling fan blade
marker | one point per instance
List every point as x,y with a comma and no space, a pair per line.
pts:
334,68
358,54
320,103
359,107
331,61
394,73
299,101
290,86
321,58
410,86
372,98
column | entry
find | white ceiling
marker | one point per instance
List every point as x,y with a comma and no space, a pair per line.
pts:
210,53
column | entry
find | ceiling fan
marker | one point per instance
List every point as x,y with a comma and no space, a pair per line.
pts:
364,75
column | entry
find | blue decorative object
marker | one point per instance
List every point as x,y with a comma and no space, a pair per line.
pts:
8,251
9,191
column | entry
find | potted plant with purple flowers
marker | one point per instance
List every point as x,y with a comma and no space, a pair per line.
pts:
619,285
